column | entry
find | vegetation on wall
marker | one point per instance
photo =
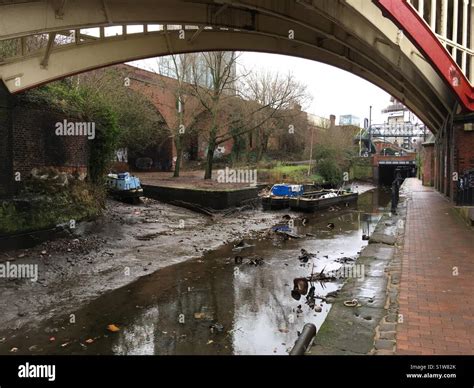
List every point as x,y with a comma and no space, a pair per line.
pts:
140,124
80,102
50,198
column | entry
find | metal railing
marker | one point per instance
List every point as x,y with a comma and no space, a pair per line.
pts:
452,22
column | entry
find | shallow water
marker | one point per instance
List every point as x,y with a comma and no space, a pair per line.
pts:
171,311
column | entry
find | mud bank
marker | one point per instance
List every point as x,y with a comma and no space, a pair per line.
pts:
214,304
127,243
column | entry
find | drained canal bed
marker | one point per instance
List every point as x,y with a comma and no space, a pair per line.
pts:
216,304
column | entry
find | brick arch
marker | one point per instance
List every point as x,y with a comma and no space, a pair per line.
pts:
156,89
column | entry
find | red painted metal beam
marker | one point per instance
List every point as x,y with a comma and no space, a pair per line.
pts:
421,35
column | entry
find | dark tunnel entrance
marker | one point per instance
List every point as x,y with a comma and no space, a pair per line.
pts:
387,171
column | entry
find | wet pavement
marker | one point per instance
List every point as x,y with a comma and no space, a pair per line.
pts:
437,277
212,305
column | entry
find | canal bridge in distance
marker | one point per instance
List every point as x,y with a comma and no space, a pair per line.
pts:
419,51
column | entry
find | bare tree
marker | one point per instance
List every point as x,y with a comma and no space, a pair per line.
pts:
278,99
213,83
180,67
239,104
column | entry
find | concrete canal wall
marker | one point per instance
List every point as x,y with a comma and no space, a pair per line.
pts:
213,199
369,327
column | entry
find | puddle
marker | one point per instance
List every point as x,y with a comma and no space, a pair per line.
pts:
249,306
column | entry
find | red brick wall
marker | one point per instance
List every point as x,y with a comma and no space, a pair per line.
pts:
427,173
7,186
35,143
160,90
377,158
464,151
380,145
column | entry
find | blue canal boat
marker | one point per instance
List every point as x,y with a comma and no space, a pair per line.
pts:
279,196
124,187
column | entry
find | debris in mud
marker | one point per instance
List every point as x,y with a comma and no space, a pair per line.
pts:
330,225
149,236
283,330
300,287
305,256
352,303
322,277
202,315
113,328
216,328
287,234
310,298
13,350
238,259
89,341
345,260
194,207
241,245
256,261
365,237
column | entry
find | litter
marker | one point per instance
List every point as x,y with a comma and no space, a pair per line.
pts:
352,303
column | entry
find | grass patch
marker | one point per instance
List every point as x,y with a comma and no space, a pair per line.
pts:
289,174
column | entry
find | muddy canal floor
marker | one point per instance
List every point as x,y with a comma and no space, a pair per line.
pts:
167,280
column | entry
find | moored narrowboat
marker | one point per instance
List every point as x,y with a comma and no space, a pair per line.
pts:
280,195
124,187
311,202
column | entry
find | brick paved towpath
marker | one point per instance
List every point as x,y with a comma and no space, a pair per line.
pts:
436,299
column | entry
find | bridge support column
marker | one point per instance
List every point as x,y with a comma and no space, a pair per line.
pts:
463,145
443,161
454,154
7,186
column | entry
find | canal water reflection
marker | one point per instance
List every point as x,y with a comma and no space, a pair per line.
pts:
213,305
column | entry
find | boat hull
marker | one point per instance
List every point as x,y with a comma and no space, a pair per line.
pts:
275,203
308,204
132,195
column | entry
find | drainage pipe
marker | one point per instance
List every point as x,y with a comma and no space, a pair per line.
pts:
304,339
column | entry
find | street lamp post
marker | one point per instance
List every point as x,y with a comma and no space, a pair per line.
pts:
311,151
370,130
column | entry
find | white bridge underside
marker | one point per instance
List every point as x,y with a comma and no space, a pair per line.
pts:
351,35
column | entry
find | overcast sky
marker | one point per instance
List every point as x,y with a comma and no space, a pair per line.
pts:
334,91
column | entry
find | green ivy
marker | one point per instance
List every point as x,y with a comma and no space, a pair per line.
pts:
86,104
